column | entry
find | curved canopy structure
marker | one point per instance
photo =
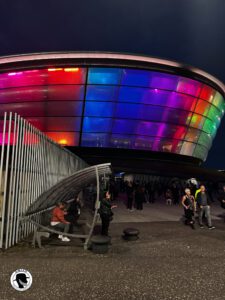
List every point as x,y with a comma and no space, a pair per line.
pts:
111,100
68,187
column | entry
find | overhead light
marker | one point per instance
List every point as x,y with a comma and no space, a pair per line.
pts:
63,142
71,69
54,69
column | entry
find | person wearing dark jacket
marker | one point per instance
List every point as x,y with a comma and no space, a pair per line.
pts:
222,197
203,202
106,213
140,197
73,212
130,195
188,202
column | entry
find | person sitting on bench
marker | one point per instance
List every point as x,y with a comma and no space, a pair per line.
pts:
73,212
58,221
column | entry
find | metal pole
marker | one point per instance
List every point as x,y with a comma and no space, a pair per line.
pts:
28,163
10,199
21,151
97,204
14,167
6,178
33,169
25,170
1,172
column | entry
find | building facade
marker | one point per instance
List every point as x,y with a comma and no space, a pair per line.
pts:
108,100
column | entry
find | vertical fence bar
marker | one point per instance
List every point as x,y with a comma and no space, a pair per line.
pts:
16,182
33,168
5,189
28,164
25,170
1,175
37,163
33,173
19,141
97,204
14,168
20,167
38,180
10,199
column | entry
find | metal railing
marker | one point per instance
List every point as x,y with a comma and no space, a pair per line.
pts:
30,164
65,191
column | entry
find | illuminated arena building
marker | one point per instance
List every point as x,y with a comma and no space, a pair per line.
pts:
116,107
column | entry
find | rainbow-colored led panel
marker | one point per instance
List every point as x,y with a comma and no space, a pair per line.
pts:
116,108
51,99
140,109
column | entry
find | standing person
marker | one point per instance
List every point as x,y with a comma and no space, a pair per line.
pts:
140,197
130,195
203,202
222,197
169,197
106,213
175,192
188,202
58,220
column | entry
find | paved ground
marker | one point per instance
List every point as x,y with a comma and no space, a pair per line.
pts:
169,261
156,212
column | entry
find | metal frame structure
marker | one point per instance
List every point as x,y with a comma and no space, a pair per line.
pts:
64,191
30,164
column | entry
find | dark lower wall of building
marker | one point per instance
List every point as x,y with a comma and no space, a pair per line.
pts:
143,162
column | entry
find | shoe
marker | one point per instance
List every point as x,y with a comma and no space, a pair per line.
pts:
201,226
65,239
211,227
60,236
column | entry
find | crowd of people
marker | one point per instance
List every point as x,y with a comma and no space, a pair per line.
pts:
196,201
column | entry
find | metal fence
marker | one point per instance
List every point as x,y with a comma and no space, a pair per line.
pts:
30,163
79,185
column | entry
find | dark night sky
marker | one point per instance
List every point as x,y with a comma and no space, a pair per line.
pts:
189,31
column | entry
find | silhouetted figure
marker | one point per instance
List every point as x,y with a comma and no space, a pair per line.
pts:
175,192
73,212
139,197
169,197
130,194
21,280
221,197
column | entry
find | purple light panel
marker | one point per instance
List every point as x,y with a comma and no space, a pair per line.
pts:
116,107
